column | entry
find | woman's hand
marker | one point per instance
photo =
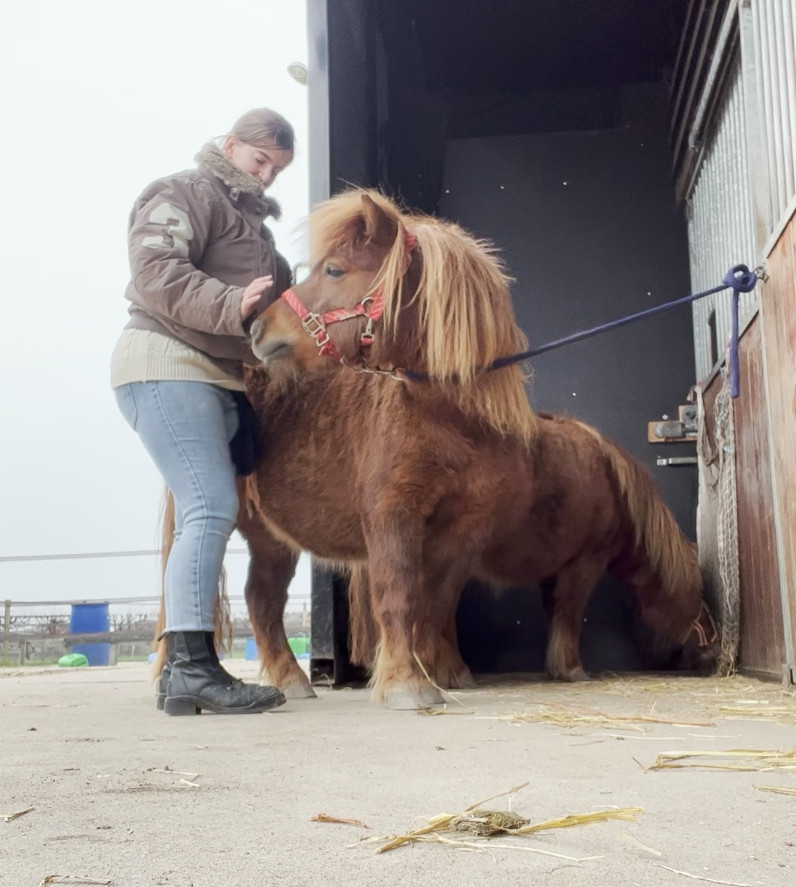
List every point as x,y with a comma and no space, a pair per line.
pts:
252,293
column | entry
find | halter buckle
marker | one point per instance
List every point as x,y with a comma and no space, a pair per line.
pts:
367,334
315,326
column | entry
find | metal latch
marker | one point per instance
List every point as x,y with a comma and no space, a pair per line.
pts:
676,460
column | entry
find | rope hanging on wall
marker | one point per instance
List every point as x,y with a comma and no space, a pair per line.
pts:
718,512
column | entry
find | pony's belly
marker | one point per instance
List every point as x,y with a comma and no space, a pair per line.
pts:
518,568
525,557
322,532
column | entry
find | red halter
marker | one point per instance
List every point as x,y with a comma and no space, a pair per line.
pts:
371,307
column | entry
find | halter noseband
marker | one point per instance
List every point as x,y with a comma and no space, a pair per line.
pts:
315,325
371,307
696,627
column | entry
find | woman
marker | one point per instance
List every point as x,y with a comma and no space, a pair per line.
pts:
202,262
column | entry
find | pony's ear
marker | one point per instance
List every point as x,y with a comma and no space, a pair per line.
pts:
380,227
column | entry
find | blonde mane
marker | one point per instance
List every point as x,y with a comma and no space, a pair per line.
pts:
464,310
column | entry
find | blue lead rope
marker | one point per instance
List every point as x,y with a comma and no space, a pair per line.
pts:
740,278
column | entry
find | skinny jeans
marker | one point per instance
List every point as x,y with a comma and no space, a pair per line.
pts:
186,428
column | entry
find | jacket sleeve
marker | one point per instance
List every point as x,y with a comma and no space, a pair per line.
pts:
169,230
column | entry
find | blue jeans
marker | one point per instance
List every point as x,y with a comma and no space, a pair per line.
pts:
186,428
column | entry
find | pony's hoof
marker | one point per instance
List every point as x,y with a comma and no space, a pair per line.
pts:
464,680
406,700
298,690
573,675
576,675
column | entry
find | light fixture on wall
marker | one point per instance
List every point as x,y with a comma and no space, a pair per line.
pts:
298,71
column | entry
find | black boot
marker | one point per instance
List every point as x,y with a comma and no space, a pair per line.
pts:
163,682
197,681
163,678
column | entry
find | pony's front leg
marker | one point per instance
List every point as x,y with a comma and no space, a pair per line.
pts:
401,612
271,567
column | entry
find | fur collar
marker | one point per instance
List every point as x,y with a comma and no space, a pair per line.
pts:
212,161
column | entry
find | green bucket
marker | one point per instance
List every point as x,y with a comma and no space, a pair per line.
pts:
73,660
299,646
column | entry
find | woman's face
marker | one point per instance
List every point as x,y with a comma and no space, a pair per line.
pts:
264,164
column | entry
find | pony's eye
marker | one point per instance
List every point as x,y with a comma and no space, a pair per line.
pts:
333,271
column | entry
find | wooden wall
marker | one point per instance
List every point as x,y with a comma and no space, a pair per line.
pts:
765,468
761,643
762,640
778,317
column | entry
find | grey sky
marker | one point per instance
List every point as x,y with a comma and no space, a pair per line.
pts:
104,98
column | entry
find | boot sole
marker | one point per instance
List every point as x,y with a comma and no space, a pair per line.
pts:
180,706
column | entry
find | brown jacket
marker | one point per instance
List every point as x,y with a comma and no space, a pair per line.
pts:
196,240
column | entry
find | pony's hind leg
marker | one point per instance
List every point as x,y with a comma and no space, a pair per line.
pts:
450,671
271,568
565,597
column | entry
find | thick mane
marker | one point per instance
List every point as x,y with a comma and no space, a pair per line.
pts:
465,318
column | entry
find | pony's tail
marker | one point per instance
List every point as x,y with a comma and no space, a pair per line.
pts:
166,522
222,618
660,564
361,626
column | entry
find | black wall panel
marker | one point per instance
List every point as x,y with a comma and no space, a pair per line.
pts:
587,224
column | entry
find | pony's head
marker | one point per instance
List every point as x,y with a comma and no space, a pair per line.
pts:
356,257
675,623
700,647
399,292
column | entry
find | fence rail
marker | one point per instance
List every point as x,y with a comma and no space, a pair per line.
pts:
41,636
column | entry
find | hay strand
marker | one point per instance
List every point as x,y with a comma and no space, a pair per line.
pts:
753,759
444,710
626,814
324,817
701,877
777,789
10,817
570,716
759,711
70,879
434,684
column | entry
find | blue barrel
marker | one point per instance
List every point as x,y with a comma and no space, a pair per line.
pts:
251,649
86,619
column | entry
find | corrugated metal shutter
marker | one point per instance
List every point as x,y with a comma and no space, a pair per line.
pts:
774,48
734,138
721,226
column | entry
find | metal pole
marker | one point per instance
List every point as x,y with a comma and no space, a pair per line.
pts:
6,627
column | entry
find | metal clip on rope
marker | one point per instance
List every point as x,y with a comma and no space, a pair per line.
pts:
742,280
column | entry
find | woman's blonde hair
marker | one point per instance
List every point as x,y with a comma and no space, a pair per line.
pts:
264,128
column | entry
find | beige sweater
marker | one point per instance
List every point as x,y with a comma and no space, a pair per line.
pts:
144,356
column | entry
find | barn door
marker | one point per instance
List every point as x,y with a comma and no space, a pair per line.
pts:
734,136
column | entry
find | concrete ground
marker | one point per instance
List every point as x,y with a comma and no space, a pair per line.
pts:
118,793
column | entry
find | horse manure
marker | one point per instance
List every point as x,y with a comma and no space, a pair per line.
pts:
488,822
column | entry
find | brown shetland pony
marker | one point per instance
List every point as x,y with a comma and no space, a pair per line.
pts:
417,482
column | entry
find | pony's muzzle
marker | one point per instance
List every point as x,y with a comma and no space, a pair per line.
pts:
267,349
